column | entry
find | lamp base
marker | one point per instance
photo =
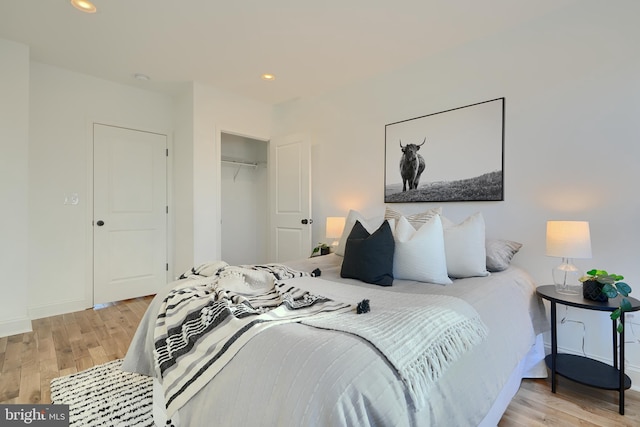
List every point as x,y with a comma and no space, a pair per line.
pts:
566,277
568,289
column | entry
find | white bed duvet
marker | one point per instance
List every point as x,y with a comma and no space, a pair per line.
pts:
299,375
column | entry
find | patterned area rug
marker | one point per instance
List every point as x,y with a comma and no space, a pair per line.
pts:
105,396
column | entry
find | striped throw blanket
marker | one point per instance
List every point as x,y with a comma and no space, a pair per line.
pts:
203,323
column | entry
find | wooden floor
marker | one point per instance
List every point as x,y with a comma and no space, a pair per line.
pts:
572,405
69,343
65,344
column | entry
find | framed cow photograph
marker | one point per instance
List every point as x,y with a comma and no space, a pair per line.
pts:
451,156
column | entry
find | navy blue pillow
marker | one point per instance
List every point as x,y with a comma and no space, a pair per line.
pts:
369,257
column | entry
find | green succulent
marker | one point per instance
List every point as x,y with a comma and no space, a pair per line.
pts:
613,286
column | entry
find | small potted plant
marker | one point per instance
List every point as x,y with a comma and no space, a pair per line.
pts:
321,249
598,285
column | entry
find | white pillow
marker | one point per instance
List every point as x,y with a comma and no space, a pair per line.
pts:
420,255
417,220
370,224
464,246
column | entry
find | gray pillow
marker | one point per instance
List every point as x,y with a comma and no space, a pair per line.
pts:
499,253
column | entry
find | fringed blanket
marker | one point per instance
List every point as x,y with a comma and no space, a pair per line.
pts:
420,342
201,325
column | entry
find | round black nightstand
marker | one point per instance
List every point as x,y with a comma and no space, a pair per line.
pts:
583,369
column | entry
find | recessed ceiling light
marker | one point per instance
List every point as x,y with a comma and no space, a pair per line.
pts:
140,76
268,77
84,5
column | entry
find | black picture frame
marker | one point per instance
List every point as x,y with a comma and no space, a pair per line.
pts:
463,153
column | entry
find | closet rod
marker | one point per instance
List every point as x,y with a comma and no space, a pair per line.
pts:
237,163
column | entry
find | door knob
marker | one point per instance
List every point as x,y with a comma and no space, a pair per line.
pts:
307,221
100,223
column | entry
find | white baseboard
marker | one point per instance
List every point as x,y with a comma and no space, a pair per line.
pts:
63,307
15,326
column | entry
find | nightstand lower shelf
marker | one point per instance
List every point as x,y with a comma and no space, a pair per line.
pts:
587,371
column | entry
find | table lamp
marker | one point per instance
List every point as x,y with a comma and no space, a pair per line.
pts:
335,225
568,240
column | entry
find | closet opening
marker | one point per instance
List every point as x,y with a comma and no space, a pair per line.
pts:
244,200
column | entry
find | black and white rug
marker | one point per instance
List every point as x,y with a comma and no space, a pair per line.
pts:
105,396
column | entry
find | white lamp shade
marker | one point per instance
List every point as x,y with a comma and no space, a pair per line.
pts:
568,239
335,225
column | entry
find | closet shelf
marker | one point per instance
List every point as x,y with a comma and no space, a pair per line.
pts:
240,163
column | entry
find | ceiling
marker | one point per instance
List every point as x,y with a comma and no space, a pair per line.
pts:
310,46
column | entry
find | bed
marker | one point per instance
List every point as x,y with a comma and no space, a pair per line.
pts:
297,373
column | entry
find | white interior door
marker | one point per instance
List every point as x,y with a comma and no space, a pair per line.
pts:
290,185
130,213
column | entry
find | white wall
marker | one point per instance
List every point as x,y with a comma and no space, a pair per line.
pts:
182,160
14,187
572,87
63,106
245,204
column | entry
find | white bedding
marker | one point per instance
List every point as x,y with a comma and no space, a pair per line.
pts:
294,375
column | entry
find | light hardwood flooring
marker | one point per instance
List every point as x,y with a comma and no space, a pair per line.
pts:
572,405
65,344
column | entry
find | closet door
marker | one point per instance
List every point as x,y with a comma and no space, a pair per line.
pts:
290,185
